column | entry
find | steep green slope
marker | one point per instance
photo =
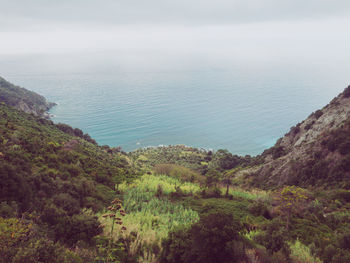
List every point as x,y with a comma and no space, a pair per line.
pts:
23,99
56,184
49,178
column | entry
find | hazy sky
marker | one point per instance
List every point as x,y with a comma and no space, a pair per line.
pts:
160,33
33,15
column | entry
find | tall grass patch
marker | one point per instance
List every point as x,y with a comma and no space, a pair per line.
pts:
151,183
150,217
302,254
253,194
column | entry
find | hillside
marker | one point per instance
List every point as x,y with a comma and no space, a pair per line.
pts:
199,160
23,99
64,198
315,152
54,182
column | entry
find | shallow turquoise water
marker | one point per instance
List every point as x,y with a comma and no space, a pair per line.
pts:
242,110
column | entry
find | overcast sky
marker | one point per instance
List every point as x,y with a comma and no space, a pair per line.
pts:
164,31
40,14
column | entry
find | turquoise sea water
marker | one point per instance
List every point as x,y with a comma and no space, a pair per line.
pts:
242,110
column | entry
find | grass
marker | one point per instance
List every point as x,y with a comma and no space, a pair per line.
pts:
151,213
251,234
250,195
301,253
149,218
150,183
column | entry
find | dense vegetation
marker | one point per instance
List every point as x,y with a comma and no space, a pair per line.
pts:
63,198
54,182
151,213
22,98
285,224
199,160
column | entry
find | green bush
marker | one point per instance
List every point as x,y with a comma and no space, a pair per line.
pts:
179,172
22,242
67,202
215,238
46,251
8,209
212,192
258,208
274,238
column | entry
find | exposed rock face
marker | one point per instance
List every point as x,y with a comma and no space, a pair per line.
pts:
37,110
25,100
302,155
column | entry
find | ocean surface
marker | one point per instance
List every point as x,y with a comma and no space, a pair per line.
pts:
242,110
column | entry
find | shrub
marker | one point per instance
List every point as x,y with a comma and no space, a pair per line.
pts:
44,250
346,92
302,253
81,227
77,132
67,202
318,114
213,192
278,152
104,193
215,238
13,185
309,125
259,209
20,242
65,128
341,194
295,130
179,172
224,160
176,246
8,209
274,238
344,147
12,233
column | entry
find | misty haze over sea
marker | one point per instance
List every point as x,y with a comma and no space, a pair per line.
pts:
207,74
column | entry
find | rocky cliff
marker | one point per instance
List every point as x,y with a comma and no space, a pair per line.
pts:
315,152
22,99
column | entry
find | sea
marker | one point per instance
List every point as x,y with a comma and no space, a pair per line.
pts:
241,109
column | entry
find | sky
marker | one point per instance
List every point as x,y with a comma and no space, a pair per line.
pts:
81,34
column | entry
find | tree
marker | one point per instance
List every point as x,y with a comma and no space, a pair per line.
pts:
274,237
227,179
224,160
290,198
215,238
212,178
